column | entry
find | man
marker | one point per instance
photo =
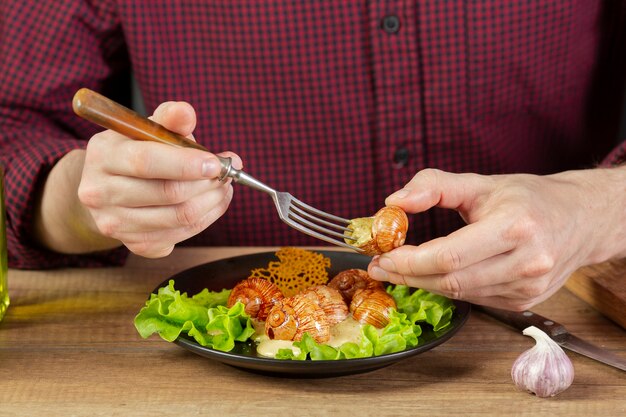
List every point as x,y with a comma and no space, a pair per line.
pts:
341,104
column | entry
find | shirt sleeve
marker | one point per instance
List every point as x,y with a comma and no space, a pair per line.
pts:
49,51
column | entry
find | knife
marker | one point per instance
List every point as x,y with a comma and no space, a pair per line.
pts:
557,332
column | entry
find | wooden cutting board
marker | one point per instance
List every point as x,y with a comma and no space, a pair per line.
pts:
603,286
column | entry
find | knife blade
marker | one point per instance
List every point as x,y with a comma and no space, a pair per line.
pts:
557,332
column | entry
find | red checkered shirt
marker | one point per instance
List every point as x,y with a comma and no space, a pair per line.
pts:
338,102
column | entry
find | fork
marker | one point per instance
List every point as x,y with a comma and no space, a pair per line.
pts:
107,113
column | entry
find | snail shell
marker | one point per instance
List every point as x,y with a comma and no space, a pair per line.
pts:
385,231
293,316
258,295
330,301
350,280
371,306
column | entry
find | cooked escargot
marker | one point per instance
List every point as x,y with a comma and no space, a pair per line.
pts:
384,231
293,316
258,295
349,281
330,301
371,306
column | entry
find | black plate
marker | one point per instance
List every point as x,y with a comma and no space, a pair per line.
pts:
225,273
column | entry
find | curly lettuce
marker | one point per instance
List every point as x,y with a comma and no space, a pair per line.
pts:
423,306
205,317
400,334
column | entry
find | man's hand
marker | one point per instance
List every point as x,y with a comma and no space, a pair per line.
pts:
525,234
145,195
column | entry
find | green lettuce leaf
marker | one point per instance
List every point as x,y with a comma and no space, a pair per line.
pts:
397,336
205,317
212,298
170,313
423,306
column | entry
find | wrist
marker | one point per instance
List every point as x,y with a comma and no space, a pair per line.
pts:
62,224
604,201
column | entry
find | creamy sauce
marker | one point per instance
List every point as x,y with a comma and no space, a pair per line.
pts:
348,330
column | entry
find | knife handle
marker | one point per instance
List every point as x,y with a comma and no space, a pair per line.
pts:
524,319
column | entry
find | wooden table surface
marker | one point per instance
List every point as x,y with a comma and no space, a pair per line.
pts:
68,347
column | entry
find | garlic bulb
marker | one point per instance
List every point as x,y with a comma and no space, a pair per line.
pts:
545,370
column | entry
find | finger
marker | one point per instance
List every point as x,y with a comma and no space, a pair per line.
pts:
525,287
152,160
236,160
501,303
432,187
150,252
180,117
515,304
469,245
470,281
159,243
513,274
497,284
177,116
134,192
121,221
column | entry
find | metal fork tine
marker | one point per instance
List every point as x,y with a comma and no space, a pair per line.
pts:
301,212
297,210
289,208
318,212
314,226
293,223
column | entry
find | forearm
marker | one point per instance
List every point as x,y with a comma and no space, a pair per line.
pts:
61,223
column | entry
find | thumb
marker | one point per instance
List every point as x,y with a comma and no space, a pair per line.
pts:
177,116
433,187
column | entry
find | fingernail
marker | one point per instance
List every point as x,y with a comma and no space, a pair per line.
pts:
387,264
211,168
378,273
400,194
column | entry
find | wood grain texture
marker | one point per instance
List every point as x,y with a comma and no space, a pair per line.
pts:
603,286
105,112
68,347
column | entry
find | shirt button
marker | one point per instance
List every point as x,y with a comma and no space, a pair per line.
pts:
401,157
391,24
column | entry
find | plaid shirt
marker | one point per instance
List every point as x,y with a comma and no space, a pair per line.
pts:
338,102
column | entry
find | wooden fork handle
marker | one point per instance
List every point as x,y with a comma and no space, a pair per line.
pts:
107,113
111,115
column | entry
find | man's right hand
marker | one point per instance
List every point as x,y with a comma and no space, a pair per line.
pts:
148,196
